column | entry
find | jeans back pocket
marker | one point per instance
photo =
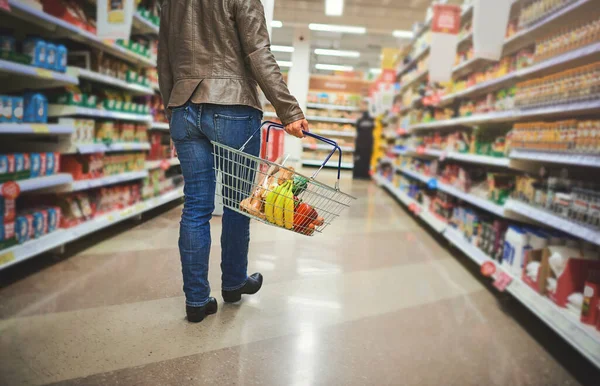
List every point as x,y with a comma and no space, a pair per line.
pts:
179,123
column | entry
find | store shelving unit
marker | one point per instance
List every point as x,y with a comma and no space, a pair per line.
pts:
584,338
133,88
108,180
43,183
144,26
42,77
34,128
55,111
326,147
331,107
62,237
158,163
160,126
329,119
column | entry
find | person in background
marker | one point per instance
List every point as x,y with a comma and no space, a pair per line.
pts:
363,147
212,55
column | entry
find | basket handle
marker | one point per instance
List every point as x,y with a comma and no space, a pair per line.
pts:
309,134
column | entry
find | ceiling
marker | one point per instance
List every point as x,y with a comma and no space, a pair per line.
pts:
379,17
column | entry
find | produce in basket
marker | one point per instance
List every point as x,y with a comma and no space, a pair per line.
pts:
300,184
255,203
305,216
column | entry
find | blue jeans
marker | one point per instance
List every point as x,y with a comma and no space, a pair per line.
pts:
193,126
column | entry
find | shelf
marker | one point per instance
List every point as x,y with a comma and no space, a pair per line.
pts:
331,119
160,126
550,219
35,128
61,28
42,183
466,67
111,81
334,133
513,115
108,180
473,252
43,77
144,26
128,146
465,157
592,160
417,79
331,107
67,110
149,165
482,203
326,147
60,237
480,88
330,164
414,61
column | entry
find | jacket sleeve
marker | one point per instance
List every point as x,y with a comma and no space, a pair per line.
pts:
254,36
165,76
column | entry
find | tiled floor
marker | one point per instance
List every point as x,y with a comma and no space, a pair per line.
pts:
376,300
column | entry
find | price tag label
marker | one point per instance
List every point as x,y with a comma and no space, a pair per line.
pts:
413,207
126,213
140,207
488,268
128,146
7,258
40,129
502,281
165,164
43,73
110,218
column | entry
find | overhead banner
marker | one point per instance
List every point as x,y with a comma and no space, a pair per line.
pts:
114,19
445,26
490,20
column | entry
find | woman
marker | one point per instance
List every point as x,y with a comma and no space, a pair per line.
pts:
212,54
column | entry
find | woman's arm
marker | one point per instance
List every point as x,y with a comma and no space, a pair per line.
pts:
254,36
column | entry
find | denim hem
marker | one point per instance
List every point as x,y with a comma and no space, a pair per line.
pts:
197,304
236,287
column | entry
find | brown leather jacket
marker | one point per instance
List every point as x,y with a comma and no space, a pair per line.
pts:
216,51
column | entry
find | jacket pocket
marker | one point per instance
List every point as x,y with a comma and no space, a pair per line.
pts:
179,123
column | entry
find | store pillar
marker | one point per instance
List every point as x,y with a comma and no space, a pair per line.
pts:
298,81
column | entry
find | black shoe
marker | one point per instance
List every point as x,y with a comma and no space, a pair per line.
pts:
197,314
251,287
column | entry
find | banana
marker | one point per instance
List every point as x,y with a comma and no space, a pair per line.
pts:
271,197
289,208
279,204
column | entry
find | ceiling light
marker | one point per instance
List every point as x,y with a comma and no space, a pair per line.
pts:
276,24
376,71
333,67
282,49
402,34
345,54
284,63
334,7
337,28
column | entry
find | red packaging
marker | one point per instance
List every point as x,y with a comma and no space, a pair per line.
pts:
591,296
573,279
43,161
7,209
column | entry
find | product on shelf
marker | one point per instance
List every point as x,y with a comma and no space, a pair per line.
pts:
534,10
337,99
21,166
575,85
159,182
574,136
11,109
35,51
576,37
100,62
91,166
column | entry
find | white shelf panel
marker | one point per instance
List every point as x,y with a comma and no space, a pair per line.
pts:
160,126
269,114
476,254
67,110
42,74
587,53
330,164
566,109
550,219
331,107
414,60
72,32
415,175
60,237
327,147
45,182
111,81
479,159
143,26
128,146
108,180
35,128
331,119
335,133
592,160
480,87
435,223
477,201
149,165
417,79
501,116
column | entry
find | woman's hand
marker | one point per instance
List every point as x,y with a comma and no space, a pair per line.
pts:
296,128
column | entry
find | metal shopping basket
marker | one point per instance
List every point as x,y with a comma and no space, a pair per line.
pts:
277,195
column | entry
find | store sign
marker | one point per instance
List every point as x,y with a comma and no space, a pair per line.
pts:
444,38
488,268
10,190
114,19
502,281
490,20
4,5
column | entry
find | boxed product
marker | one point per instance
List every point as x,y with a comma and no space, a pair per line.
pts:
36,48
23,227
7,235
36,108
590,311
38,164
17,109
83,166
7,209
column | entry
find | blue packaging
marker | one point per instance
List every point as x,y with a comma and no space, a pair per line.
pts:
36,49
7,43
6,109
17,109
36,108
61,58
36,165
39,224
23,227
52,219
51,56
50,163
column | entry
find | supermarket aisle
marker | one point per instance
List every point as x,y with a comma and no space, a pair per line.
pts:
376,300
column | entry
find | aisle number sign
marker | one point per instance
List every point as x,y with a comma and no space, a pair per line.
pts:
114,19
444,38
490,19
